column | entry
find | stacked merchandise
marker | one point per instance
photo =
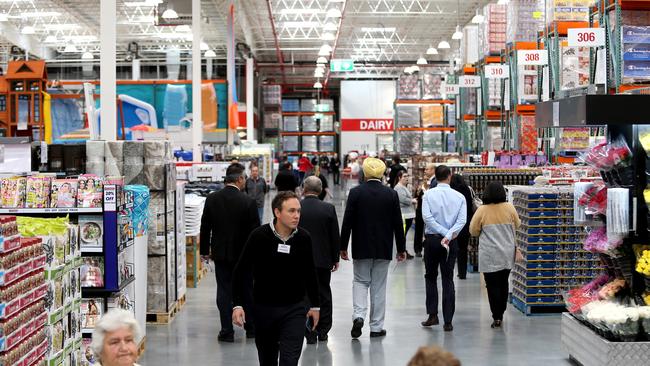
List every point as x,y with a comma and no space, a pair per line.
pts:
431,86
309,124
568,10
310,143
326,143
432,141
410,142
492,35
408,116
469,98
308,105
272,119
326,123
161,274
514,160
494,93
272,94
408,87
59,240
469,44
527,88
386,141
193,212
451,115
291,124
525,20
479,178
551,244
635,41
290,105
493,139
290,143
527,133
181,256
433,115
574,66
23,316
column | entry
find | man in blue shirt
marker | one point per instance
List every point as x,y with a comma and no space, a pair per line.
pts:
444,212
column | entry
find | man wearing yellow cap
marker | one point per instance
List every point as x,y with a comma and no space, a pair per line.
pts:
372,217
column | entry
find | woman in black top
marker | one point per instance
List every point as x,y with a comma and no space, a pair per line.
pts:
458,184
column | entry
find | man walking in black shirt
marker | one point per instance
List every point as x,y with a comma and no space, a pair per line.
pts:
335,167
279,255
228,218
319,219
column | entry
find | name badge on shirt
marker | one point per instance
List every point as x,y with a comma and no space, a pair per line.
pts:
283,248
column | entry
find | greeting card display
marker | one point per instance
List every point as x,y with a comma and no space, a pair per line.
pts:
92,272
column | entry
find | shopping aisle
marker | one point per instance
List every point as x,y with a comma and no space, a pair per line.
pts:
192,338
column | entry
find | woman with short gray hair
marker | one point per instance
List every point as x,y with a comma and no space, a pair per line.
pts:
114,339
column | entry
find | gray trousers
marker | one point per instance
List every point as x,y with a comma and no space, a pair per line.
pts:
370,274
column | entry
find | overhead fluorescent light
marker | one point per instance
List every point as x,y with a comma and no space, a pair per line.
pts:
39,14
378,29
87,56
50,39
443,45
184,28
318,85
323,53
321,60
3,17
457,34
170,13
325,47
408,70
301,24
301,11
28,29
327,36
330,27
334,13
61,27
421,61
210,54
478,18
320,67
415,68
204,46
70,48
319,74
432,51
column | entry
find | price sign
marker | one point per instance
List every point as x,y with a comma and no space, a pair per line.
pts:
449,88
470,81
497,71
110,197
586,37
532,57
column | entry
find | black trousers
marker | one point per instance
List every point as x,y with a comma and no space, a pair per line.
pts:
279,330
419,231
325,294
497,289
407,225
223,272
435,255
336,176
463,243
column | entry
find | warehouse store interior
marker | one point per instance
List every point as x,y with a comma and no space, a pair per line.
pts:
324,182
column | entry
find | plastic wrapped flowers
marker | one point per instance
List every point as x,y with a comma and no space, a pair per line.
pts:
620,321
598,242
608,156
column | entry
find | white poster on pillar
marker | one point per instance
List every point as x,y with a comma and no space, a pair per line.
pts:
366,109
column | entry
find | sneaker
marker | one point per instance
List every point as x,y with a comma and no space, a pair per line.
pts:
381,333
432,320
448,327
357,324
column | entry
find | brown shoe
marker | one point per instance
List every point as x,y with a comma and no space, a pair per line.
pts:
432,320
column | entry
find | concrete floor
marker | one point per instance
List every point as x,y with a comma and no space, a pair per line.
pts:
192,337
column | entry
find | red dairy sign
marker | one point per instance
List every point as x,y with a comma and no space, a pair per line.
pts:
367,124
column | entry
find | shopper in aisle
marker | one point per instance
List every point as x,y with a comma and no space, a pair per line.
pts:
335,168
324,162
458,184
325,186
495,223
256,188
304,167
418,238
229,216
444,212
394,169
279,256
114,341
320,220
407,203
372,217
285,180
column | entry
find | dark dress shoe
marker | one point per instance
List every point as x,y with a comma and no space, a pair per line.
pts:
418,254
496,324
226,337
357,324
448,327
323,337
462,277
378,334
409,255
311,337
433,320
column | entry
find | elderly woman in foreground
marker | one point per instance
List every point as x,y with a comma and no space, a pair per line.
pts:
114,339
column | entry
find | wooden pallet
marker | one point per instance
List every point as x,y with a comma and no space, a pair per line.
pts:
537,309
163,318
181,302
141,346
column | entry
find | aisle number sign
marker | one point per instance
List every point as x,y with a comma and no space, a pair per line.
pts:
586,37
341,65
449,88
469,81
497,71
532,57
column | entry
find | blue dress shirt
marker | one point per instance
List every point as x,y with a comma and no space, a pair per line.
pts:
444,211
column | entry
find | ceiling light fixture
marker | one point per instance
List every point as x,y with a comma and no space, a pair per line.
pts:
204,46
87,56
28,29
318,74
169,13
457,34
330,27
443,45
210,54
318,85
70,48
432,51
325,47
327,36
334,13
321,60
415,68
478,18
421,61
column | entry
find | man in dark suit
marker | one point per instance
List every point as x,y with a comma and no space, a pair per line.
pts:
372,217
319,219
229,216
